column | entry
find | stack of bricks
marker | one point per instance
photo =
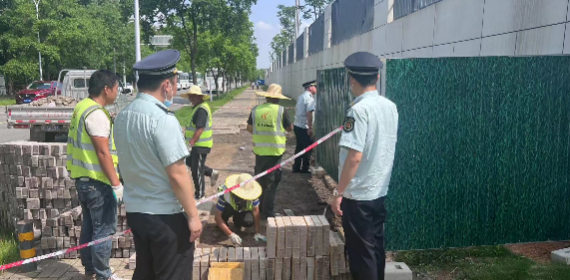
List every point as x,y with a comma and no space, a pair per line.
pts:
304,247
123,246
35,187
254,259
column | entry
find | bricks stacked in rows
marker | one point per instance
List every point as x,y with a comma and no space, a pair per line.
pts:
35,186
304,247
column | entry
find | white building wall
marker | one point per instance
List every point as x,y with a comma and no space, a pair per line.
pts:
450,28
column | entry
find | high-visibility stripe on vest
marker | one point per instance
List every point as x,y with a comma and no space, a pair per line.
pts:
82,160
229,198
206,139
268,132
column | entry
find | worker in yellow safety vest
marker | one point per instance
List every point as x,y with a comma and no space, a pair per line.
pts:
199,136
269,124
240,204
92,161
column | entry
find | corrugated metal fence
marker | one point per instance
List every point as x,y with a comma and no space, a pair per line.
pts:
351,18
300,48
405,7
316,35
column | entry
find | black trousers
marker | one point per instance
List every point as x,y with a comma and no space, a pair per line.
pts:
303,141
363,223
197,163
162,244
241,219
268,183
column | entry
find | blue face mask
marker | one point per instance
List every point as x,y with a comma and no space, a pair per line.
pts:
167,102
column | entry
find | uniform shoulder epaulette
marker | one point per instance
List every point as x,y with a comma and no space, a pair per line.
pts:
165,109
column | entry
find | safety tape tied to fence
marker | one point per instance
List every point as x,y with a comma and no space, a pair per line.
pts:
76,248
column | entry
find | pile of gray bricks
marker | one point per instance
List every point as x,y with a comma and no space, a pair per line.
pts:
35,187
298,248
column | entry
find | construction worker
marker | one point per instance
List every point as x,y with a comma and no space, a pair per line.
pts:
159,196
269,124
92,162
370,129
303,126
199,137
242,205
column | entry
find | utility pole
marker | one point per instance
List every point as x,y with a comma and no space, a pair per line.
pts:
115,60
137,38
37,3
297,7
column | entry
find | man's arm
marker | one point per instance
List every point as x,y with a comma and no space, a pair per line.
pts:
101,145
250,128
310,123
196,136
250,123
184,191
200,120
220,222
349,169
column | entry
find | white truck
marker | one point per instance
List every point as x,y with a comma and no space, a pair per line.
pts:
48,123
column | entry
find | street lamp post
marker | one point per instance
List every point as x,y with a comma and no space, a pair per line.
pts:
137,38
37,3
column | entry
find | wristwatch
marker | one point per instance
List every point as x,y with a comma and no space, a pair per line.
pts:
336,193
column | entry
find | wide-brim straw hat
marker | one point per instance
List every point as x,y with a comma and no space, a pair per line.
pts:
249,191
274,91
195,90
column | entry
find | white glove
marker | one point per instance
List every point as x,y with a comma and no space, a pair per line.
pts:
118,192
258,237
236,240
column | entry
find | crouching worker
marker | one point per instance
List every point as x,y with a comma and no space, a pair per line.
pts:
242,204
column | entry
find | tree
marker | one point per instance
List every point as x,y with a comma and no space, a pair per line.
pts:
314,8
73,34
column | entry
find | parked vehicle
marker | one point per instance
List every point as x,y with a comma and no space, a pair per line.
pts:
183,81
38,90
48,122
128,88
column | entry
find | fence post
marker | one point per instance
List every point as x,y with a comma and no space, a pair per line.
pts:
27,241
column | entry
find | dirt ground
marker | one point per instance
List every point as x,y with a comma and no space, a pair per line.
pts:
539,251
295,191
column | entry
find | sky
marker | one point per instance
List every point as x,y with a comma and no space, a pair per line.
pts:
266,26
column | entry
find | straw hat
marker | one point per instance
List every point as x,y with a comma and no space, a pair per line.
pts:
195,90
249,191
274,91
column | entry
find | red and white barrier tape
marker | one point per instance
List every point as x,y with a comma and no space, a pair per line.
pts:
65,251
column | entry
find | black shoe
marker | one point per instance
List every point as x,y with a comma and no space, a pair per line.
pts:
296,170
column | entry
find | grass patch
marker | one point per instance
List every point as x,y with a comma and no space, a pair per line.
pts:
7,100
9,251
184,115
479,263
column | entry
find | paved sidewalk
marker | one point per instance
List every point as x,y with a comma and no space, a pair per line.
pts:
232,117
68,269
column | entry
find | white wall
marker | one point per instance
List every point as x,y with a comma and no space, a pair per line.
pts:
450,28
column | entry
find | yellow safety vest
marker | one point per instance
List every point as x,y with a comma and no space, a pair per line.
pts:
206,139
232,202
82,160
268,132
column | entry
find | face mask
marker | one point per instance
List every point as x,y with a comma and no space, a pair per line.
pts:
167,102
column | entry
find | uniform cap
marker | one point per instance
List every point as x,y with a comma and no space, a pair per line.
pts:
308,84
363,63
162,63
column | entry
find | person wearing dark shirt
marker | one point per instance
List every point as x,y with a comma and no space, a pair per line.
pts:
269,124
199,136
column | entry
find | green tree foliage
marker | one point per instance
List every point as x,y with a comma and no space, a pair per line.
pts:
286,14
72,34
215,35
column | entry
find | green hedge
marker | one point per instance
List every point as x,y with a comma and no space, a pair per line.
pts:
483,152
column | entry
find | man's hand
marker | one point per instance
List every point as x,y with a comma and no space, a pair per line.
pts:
335,205
236,240
118,193
310,132
195,226
259,237
192,142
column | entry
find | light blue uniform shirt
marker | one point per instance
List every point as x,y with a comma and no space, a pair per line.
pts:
371,127
148,139
305,104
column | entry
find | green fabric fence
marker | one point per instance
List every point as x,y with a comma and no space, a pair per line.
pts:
483,149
